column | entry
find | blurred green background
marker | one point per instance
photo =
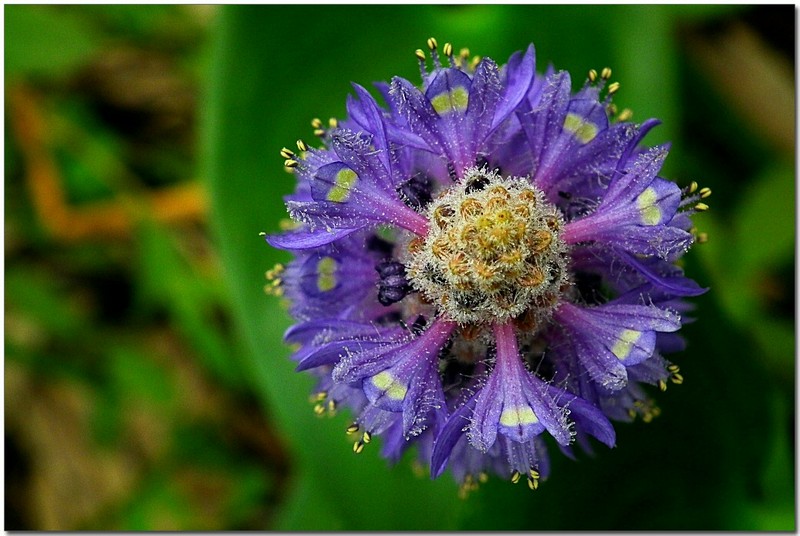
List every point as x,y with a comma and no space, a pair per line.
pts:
146,384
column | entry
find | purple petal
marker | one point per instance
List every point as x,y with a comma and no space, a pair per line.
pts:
308,239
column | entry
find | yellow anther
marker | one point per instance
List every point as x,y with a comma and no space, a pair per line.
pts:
592,75
287,224
316,122
625,115
301,145
676,378
632,413
319,409
701,207
534,473
287,154
352,429
291,163
611,109
702,238
533,484
367,437
331,406
613,88
358,446
447,49
693,187
333,122
662,385
647,417
705,192
474,63
605,74
464,53
419,54
515,476
483,477
319,132
432,44
319,397
673,368
274,288
273,273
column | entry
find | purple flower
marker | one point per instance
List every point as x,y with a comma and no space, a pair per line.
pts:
486,264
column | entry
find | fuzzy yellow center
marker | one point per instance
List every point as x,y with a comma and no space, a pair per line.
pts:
493,250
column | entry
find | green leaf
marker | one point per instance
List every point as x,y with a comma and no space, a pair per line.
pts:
765,220
258,100
46,40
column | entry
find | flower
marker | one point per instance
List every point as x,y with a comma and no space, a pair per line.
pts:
485,265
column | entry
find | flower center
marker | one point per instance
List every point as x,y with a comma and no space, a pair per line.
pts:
493,251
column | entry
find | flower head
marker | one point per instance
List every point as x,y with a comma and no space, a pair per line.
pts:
486,261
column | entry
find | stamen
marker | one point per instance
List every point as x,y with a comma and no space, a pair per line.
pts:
447,50
275,285
592,76
625,115
432,45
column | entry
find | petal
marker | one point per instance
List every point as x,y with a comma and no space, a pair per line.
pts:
453,430
519,76
308,239
543,125
608,338
635,213
587,417
402,376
